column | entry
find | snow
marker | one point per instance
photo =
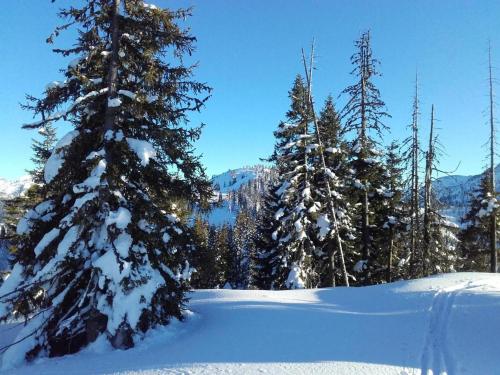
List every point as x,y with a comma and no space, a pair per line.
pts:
114,102
46,240
122,244
69,239
143,149
323,224
127,93
360,266
445,324
56,160
294,280
121,218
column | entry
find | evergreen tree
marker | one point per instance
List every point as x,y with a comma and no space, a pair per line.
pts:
106,253
226,259
243,247
42,151
204,258
338,177
363,115
391,226
474,237
264,261
292,237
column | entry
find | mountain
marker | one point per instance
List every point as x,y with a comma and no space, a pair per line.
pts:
15,188
454,192
243,187
236,189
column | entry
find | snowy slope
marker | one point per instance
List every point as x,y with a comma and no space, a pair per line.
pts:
11,189
233,179
446,324
224,210
454,192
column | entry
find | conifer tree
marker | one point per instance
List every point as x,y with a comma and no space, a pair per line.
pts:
392,227
42,151
265,262
106,253
243,247
474,237
205,257
363,114
293,236
329,265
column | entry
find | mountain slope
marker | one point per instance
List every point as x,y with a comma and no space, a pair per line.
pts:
14,188
443,323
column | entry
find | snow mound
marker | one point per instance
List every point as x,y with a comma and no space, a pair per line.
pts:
442,324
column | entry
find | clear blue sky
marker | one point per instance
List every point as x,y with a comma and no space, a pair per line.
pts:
249,52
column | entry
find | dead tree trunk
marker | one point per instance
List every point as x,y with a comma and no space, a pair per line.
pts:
493,195
429,160
415,201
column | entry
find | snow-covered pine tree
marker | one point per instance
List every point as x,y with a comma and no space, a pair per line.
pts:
474,237
243,242
106,254
363,114
392,224
265,262
335,155
293,235
439,239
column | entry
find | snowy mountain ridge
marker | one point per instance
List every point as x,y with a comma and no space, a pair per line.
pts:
453,191
14,188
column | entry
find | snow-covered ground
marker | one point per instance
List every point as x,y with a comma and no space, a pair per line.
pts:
447,324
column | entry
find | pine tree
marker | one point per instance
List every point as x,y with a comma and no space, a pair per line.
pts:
363,115
106,253
204,258
42,151
338,177
474,237
391,226
265,262
292,237
243,241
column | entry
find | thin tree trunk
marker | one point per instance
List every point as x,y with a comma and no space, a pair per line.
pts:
493,221
365,223
389,260
415,224
427,198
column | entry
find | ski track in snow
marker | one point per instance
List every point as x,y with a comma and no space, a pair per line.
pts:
437,357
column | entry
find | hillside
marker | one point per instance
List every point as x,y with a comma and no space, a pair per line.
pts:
446,324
